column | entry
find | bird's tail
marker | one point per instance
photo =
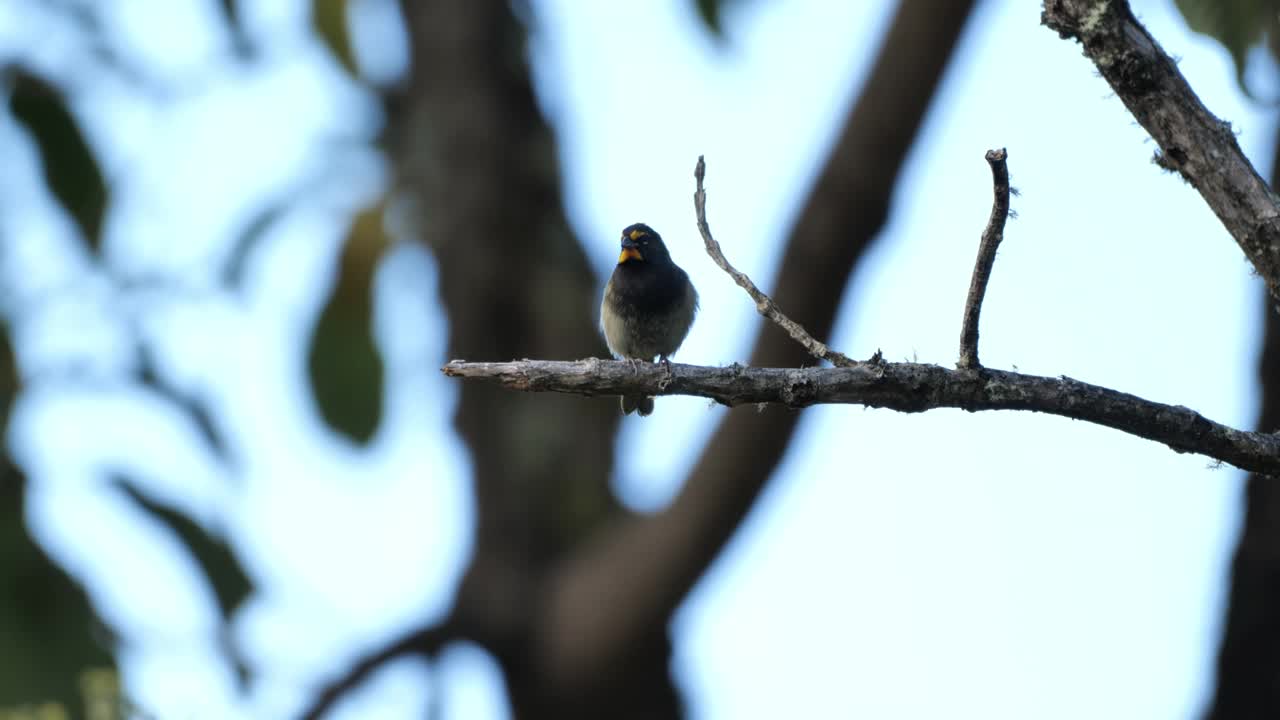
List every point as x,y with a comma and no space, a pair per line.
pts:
637,403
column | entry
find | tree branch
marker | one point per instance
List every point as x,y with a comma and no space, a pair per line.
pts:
1193,142
906,387
764,304
991,238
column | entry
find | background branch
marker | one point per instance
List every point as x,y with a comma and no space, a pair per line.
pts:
1199,146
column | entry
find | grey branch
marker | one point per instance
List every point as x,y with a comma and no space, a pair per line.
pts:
764,304
906,387
991,238
1193,142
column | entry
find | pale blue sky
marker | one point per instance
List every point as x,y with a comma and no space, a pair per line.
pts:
992,565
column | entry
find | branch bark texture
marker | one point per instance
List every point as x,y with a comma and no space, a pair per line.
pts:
907,387
1198,146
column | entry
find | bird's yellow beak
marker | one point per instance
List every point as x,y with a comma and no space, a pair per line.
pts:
629,253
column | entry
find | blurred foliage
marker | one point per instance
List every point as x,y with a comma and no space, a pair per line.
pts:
231,13
100,698
47,626
55,653
1239,25
9,380
345,367
329,17
711,12
70,169
226,576
215,559
193,406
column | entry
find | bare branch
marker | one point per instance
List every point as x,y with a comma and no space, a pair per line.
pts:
906,387
764,304
1192,141
991,238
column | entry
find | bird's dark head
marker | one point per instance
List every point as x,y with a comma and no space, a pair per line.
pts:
641,244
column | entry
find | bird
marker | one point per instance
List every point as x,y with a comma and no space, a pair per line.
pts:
648,305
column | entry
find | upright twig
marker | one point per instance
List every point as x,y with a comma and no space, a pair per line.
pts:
764,304
991,238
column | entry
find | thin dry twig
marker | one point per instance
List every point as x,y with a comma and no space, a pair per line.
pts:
991,238
764,304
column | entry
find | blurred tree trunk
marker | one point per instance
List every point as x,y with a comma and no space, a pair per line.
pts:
571,594
1248,683
482,162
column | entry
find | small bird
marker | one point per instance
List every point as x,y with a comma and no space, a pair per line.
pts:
648,305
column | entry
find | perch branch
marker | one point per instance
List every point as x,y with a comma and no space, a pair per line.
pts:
764,304
991,238
1194,143
906,387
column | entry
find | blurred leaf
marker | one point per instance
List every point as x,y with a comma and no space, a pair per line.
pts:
344,364
69,166
330,20
235,26
230,583
253,233
231,11
712,14
1237,24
